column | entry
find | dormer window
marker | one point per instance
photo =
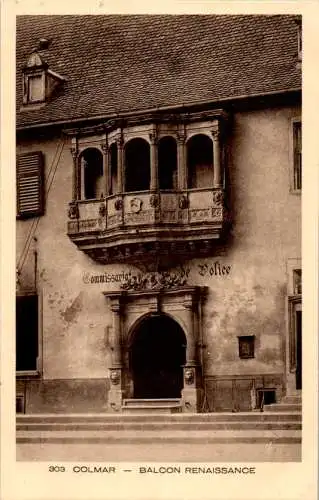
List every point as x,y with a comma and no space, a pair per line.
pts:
39,81
36,86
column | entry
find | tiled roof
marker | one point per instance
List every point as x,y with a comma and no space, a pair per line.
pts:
117,63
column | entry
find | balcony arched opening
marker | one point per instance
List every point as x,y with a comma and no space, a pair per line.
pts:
113,168
137,165
92,174
167,163
200,162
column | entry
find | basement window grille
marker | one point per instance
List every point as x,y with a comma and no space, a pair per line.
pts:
266,397
20,408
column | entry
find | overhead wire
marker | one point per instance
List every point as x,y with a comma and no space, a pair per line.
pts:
35,221
49,181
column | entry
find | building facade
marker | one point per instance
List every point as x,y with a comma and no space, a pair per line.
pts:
158,212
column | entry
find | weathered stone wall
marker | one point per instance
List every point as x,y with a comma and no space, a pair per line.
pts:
246,277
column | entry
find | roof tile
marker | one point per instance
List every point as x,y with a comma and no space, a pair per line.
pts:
121,63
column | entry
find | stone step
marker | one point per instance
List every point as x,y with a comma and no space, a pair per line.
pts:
284,407
158,426
292,399
146,406
253,416
151,402
164,436
156,454
146,410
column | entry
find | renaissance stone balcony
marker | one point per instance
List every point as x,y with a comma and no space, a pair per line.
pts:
128,227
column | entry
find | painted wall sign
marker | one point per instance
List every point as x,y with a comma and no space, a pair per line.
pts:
129,277
121,277
208,270
214,269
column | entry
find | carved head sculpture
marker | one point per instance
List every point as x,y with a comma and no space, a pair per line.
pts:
102,210
73,211
183,202
115,377
189,376
136,205
118,204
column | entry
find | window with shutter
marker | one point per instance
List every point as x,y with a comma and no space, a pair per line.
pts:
30,196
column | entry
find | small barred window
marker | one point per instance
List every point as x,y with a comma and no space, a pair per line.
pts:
246,346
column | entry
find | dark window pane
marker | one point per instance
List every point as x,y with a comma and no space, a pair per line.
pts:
26,332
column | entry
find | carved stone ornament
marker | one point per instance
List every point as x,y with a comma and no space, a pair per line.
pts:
183,202
17,278
104,148
136,205
218,198
189,376
102,210
153,138
73,212
154,281
74,153
118,204
115,377
154,201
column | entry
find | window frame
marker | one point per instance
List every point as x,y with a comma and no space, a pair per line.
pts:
293,122
294,306
26,86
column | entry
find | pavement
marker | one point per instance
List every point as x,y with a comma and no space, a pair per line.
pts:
165,452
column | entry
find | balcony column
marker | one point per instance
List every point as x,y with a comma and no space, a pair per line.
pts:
217,160
154,161
115,396
181,161
106,168
120,163
75,174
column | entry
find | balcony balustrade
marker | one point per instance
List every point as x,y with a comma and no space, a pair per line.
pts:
123,227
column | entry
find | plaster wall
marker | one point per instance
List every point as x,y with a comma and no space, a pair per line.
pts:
246,277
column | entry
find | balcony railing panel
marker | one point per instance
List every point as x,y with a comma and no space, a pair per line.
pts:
169,211
114,211
138,209
142,208
145,217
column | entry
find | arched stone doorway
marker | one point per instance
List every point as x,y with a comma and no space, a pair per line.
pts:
157,357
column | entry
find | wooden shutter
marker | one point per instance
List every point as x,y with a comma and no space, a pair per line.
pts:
30,196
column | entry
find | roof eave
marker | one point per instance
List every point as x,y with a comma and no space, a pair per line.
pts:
159,108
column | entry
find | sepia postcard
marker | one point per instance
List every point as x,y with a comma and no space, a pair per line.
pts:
159,245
